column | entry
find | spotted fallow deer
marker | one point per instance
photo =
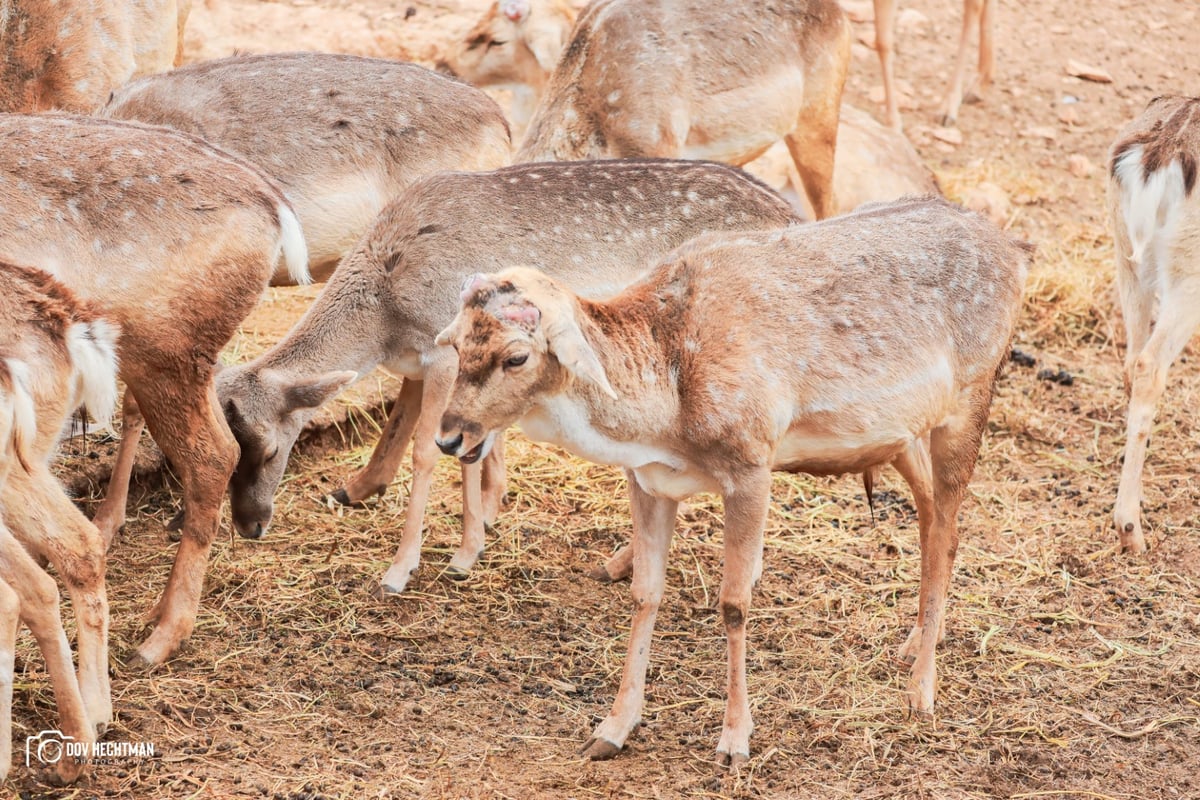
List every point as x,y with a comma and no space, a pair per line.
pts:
595,225
1154,213
69,54
174,241
55,354
977,14
870,339
694,79
341,135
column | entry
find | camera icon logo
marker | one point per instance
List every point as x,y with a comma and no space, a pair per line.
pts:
48,747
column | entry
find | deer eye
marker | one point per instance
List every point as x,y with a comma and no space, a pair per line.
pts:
516,361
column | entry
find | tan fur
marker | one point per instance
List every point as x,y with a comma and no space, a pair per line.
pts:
343,135
1154,214
977,14
818,349
594,224
38,318
174,241
514,47
69,54
692,79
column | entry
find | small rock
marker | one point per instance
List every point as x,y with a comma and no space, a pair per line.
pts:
1040,132
1068,99
1079,165
948,135
1069,116
1088,72
990,200
909,19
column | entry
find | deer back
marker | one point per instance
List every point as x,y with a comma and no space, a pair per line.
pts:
343,135
684,78
169,237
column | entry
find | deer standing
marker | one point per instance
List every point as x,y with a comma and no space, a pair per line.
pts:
595,225
693,79
870,339
174,241
55,353
1154,214
69,54
976,14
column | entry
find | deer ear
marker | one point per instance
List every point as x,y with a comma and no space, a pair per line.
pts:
313,392
566,341
546,41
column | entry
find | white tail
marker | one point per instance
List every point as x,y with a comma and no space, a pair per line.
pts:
93,350
1150,204
17,409
291,242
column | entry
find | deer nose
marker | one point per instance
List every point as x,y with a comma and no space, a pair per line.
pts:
450,446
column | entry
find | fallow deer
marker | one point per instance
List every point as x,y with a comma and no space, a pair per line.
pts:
55,353
976,14
174,241
69,54
341,135
1154,213
515,46
693,79
517,43
595,225
870,339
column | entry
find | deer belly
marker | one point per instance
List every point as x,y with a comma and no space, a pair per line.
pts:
820,452
660,480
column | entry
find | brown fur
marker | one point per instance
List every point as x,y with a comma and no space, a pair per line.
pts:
594,224
1168,131
818,349
173,241
344,135
43,327
727,82
69,54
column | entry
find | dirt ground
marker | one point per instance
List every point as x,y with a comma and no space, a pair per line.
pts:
1068,671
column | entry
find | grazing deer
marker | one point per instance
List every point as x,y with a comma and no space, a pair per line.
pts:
341,135
69,54
1154,212
174,241
725,86
595,225
976,14
870,339
55,353
515,45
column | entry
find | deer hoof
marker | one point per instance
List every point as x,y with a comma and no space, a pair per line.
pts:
596,749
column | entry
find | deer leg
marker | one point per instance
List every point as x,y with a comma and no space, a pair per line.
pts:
1178,319
885,44
953,449
987,46
190,428
10,618
1136,294
495,481
473,538
745,516
439,378
913,465
972,13
39,609
50,525
385,459
813,141
111,515
653,524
